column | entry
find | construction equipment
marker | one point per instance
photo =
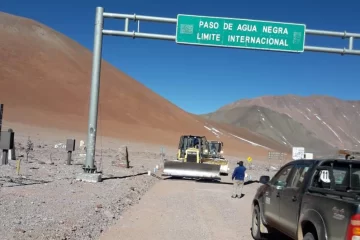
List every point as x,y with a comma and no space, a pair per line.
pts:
215,156
216,149
191,155
349,155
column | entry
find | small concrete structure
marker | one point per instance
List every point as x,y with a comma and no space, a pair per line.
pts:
6,144
89,177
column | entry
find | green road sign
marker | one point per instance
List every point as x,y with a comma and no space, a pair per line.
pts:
240,33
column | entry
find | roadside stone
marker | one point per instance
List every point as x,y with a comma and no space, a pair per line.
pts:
109,214
19,230
56,206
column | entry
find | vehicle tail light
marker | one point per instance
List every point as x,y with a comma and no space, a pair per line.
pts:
353,231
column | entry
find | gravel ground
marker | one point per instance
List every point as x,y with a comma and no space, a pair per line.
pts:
187,209
44,201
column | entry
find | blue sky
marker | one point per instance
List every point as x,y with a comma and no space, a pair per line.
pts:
202,79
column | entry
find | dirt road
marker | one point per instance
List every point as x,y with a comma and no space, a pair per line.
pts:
185,209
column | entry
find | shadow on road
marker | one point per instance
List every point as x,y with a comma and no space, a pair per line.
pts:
207,181
237,197
251,182
17,182
275,236
226,183
121,177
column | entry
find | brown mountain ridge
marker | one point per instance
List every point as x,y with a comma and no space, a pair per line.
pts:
45,81
318,123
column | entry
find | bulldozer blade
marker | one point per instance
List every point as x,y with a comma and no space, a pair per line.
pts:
191,170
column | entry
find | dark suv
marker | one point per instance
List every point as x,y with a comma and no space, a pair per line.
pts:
309,199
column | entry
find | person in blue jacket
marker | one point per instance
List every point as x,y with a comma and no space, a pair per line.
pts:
238,177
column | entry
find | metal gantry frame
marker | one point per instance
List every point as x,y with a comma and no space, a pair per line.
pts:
96,68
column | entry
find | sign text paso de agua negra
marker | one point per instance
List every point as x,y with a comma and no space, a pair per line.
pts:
240,33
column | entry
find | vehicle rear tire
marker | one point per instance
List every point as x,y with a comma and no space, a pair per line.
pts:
309,236
255,224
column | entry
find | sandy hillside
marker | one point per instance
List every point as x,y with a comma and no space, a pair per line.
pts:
50,79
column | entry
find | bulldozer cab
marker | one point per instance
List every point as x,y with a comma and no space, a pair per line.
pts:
189,141
216,148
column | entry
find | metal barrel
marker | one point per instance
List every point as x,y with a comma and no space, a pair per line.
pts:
191,170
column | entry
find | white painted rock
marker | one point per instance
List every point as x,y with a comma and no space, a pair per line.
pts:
82,145
60,145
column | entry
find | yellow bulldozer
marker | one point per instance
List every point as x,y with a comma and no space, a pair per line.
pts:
215,156
191,162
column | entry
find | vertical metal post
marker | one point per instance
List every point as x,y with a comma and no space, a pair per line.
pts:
5,157
94,92
162,155
127,157
1,116
12,156
68,161
351,42
126,24
161,165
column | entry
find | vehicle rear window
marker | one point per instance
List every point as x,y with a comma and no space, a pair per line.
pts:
341,171
339,175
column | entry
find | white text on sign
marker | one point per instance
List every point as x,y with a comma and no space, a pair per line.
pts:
241,37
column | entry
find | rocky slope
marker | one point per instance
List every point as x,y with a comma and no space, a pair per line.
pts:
318,123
